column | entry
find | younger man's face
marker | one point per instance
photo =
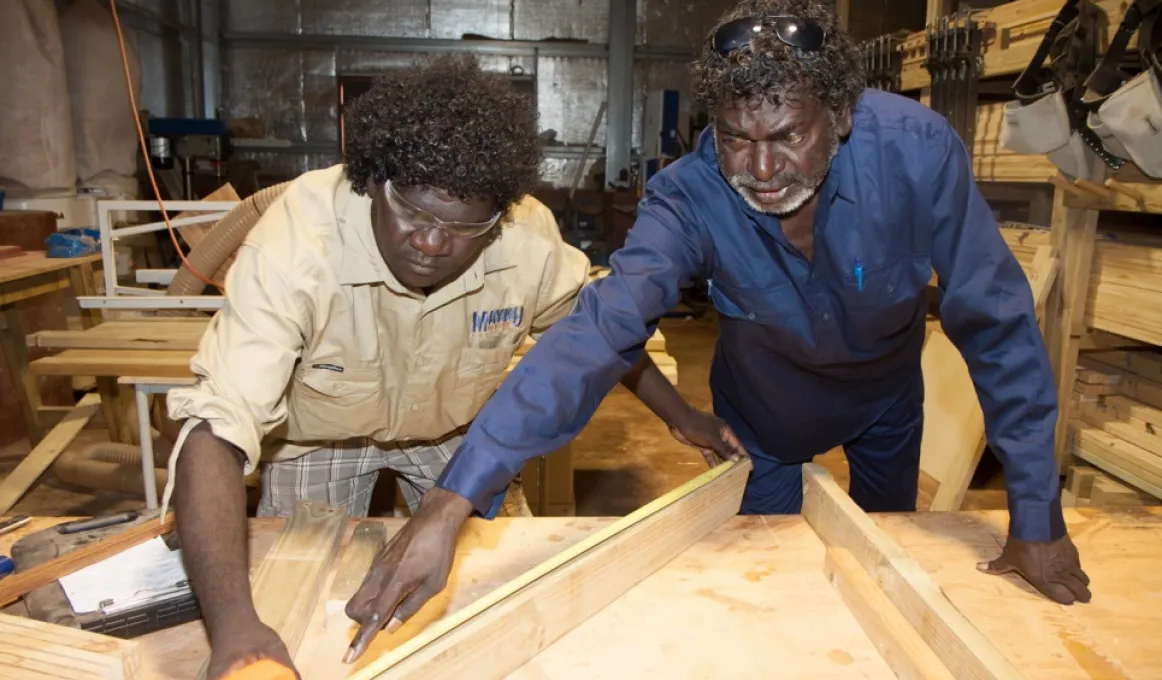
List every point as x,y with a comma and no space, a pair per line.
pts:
420,254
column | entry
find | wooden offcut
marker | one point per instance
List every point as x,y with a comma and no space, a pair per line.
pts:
34,649
287,585
20,480
955,641
954,434
509,626
17,585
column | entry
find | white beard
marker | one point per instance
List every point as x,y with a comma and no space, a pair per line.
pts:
798,194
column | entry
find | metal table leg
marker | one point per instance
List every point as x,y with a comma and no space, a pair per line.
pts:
148,476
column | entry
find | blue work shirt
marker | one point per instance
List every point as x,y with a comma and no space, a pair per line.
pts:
810,353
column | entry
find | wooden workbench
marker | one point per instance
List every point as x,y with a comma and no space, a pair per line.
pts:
26,277
159,349
751,601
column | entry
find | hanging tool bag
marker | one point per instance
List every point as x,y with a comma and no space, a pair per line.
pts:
1049,115
1078,109
1125,109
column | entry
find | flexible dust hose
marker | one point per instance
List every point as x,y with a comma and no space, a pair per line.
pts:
225,238
111,467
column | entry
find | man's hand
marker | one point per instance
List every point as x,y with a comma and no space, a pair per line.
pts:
410,570
709,434
1053,567
248,644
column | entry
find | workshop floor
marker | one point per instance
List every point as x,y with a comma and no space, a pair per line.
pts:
624,458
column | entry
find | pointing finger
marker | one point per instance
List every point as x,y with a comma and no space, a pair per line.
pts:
368,629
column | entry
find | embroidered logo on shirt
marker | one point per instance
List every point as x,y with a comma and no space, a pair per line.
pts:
496,320
329,367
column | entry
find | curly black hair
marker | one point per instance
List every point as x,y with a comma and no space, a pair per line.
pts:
444,123
775,72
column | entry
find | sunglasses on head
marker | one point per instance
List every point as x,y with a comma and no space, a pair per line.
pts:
418,217
791,31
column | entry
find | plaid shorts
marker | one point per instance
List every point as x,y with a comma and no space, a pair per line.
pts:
345,474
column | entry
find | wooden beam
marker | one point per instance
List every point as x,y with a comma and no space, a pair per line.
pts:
35,649
1073,234
20,480
510,625
14,587
955,641
898,643
1041,279
287,585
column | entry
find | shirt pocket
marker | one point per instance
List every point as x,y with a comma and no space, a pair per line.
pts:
479,373
883,308
326,405
773,306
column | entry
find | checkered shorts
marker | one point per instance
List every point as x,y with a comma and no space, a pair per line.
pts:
345,474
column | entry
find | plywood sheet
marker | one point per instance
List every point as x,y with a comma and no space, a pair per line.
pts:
1113,637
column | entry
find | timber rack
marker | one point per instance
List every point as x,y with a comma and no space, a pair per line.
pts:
1099,242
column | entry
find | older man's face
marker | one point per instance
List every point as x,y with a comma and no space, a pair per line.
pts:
776,157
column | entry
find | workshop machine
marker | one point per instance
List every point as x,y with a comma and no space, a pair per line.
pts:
178,145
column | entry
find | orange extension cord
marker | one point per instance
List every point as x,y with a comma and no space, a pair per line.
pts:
145,153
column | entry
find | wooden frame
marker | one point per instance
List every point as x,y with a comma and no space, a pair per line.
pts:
962,648
510,625
917,629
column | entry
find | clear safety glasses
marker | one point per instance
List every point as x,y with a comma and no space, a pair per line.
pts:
791,31
418,217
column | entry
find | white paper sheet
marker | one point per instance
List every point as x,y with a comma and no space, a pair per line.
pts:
145,572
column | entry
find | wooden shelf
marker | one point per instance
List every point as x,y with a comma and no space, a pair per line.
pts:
1012,33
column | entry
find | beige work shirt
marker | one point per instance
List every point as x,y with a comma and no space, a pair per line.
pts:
318,342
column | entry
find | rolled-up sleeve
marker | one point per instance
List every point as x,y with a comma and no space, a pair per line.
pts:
246,357
986,309
552,393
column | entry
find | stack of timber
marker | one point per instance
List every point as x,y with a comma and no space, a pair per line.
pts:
1118,416
1087,486
1125,285
1012,33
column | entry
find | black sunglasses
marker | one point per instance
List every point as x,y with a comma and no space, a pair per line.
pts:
791,31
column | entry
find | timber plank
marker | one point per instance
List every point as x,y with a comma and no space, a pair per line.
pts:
512,624
20,480
900,645
841,524
287,584
35,649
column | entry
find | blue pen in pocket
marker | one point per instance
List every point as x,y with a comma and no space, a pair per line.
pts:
857,269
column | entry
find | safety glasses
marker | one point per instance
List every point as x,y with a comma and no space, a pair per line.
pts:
791,31
420,218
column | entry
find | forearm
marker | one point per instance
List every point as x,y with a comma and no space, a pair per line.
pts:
210,509
654,390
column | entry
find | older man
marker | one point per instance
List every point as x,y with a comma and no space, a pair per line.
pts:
817,209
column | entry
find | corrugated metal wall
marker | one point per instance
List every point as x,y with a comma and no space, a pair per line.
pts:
292,87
